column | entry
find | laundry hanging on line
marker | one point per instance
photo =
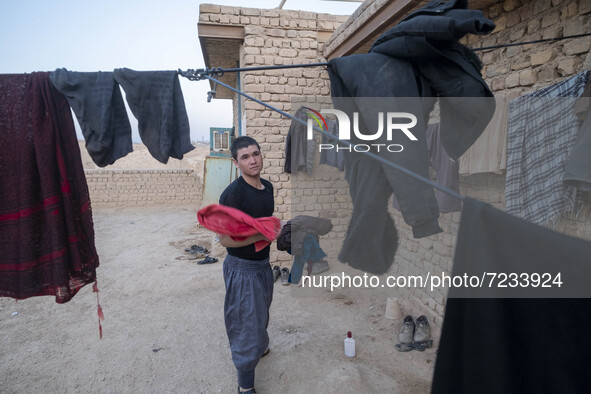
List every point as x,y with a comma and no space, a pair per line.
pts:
446,172
489,152
46,225
154,97
98,104
299,151
542,130
334,157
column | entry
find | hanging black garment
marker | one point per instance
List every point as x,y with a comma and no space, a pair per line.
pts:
406,68
515,345
299,152
96,100
156,100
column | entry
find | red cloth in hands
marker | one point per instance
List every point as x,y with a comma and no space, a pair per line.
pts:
238,225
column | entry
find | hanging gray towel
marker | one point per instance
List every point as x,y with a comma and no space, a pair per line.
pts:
156,100
541,131
578,168
98,104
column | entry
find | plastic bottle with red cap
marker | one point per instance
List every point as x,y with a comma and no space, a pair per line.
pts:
349,345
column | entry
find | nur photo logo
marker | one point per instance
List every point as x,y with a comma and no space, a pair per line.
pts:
388,122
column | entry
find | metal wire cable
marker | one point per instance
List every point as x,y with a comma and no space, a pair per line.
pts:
348,143
531,42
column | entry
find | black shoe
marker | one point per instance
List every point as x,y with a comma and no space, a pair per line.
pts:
422,329
285,276
276,273
407,331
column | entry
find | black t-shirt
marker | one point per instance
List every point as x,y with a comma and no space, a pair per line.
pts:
254,202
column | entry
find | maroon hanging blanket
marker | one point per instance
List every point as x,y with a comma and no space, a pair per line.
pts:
46,229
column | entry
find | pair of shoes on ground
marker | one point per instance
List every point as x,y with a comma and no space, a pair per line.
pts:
282,273
414,335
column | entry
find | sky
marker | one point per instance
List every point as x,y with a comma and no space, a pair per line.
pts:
81,35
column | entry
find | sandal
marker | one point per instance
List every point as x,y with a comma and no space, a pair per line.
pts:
208,260
197,249
195,254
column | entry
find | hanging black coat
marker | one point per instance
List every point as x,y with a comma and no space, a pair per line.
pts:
406,69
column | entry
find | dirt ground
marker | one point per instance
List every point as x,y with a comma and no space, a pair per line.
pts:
164,332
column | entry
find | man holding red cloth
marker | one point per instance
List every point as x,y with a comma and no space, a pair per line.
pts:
247,273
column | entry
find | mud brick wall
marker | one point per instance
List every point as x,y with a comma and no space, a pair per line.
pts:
122,188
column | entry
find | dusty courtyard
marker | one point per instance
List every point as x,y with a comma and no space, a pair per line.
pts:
164,332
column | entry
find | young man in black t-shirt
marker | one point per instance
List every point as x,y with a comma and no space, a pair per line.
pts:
247,274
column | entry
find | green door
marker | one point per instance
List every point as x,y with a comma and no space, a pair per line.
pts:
219,173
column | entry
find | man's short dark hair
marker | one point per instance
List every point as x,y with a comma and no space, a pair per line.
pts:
242,142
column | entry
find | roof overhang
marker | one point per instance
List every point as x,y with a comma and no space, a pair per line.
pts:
348,40
220,45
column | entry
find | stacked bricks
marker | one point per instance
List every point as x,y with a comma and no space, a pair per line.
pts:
525,68
120,188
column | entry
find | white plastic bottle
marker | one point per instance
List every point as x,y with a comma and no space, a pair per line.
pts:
349,345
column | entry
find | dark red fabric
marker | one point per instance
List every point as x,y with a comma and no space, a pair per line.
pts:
231,221
46,229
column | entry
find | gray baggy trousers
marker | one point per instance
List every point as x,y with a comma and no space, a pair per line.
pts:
249,292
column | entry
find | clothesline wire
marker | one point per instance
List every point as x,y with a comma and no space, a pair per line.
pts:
348,143
532,42
219,71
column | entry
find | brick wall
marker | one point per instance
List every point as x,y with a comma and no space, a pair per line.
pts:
117,188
